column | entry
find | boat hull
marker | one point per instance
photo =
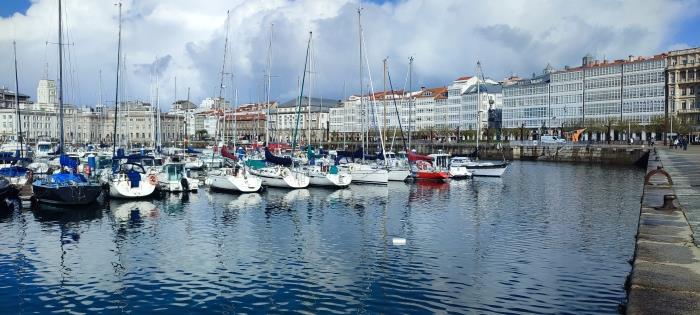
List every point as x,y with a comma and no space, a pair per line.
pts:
490,170
330,180
123,189
431,175
242,184
67,195
398,175
458,172
363,174
282,178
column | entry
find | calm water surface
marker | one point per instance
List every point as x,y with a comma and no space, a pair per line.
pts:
546,238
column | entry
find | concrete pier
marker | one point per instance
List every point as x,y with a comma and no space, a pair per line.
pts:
665,276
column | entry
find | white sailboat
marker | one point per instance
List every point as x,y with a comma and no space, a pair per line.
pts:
131,180
236,179
282,177
474,165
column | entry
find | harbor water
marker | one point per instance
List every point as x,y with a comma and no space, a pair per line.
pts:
545,238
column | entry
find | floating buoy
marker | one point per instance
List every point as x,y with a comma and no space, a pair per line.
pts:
398,241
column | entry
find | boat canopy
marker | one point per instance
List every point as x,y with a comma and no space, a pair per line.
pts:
225,153
64,178
284,161
67,161
413,157
13,171
193,151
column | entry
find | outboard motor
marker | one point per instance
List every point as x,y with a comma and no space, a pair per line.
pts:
185,184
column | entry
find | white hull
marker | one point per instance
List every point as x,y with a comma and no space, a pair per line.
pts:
282,177
121,188
365,174
238,183
398,175
176,185
487,171
459,172
330,180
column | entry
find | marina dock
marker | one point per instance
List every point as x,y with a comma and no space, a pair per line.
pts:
665,278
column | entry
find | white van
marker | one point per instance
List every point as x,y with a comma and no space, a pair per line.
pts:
551,139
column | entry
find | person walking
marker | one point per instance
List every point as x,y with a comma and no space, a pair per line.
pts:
675,143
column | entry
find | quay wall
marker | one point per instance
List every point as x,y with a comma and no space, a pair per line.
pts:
579,153
665,276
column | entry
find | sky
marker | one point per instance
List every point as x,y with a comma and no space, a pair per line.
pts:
183,40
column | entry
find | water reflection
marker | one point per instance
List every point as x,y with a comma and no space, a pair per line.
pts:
134,211
524,243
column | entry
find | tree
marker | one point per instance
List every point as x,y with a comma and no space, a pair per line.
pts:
201,134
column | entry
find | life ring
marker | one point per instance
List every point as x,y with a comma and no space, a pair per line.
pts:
152,180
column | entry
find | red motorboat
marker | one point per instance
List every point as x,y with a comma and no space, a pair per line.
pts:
423,168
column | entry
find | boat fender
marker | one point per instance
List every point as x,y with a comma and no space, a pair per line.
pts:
152,180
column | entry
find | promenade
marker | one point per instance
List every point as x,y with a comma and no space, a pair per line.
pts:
665,277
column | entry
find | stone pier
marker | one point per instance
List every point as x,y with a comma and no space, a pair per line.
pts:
665,276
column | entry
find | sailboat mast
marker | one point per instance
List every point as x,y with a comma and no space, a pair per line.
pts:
116,93
410,100
362,109
478,105
221,87
19,116
384,98
60,76
301,94
267,90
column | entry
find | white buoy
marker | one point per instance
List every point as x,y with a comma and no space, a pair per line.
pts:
398,241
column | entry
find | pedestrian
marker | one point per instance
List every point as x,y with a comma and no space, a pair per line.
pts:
685,144
675,143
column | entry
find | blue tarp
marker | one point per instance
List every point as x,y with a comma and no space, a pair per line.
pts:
64,178
193,151
67,161
13,171
134,178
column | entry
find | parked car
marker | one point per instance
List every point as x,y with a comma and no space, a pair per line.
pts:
552,139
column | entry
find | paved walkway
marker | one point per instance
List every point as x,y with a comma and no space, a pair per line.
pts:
665,276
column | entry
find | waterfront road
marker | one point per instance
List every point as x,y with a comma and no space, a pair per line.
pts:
684,168
665,275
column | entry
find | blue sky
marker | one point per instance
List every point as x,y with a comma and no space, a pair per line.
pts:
8,7
183,39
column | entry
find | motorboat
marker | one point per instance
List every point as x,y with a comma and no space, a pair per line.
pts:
442,160
424,169
131,180
44,149
174,178
7,189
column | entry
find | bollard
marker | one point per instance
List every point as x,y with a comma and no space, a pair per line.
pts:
668,203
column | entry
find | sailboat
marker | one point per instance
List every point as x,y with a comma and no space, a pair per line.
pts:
65,188
15,171
473,164
364,173
237,178
282,173
129,179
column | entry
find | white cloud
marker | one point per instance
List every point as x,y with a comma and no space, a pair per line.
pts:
446,38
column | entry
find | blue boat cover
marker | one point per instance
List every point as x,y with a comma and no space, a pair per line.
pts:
63,178
66,161
193,151
134,178
284,161
13,171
